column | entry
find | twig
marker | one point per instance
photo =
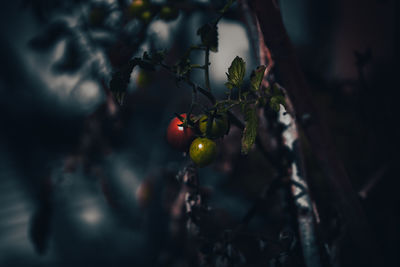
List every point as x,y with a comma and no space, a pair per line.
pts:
300,193
206,69
375,178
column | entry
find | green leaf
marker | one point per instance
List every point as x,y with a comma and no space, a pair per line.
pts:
236,73
154,58
183,67
209,36
277,97
256,77
250,129
276,101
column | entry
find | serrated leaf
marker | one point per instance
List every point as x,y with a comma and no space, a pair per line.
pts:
209,36
229,85
236,73
256,77
250,129
120,80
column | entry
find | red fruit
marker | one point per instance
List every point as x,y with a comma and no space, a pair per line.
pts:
179,137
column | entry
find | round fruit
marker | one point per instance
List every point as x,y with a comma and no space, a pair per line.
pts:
146,16
143,79
203,151
168,13
219,125
178,136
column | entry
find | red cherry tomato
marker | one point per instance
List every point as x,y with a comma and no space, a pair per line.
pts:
178,136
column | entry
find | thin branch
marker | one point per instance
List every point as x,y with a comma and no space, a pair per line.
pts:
371,183
206,69
300,193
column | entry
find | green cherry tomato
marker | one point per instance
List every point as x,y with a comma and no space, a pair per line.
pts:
203,151
146,16
144,79
219,125
168,13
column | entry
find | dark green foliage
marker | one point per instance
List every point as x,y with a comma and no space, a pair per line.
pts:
250,129
209,36
236,73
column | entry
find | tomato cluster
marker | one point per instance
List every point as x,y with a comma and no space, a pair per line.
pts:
197,136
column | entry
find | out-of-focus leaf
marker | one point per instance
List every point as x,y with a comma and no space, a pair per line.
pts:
49,37
250,129
39,231
236,73
256,77
72,59
209,36
120,80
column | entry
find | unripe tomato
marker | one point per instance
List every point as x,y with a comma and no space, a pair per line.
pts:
219,125
178,136
146,16
144,79
203,151
168,13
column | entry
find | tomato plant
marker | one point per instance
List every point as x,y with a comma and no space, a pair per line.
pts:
246,94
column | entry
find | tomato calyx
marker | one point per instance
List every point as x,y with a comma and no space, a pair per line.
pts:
186,122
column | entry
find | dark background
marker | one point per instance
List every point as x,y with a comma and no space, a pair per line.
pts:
92,215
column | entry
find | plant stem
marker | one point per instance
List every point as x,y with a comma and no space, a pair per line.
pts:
206,69
197,66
